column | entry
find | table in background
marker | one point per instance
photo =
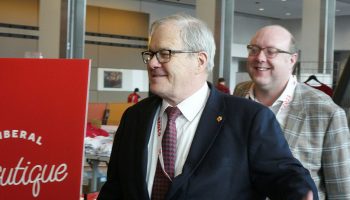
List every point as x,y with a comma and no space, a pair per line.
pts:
94,161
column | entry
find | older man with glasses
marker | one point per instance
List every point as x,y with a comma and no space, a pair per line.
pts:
314,126
189,141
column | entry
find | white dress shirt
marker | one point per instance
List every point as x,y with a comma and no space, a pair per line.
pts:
186,126
281,106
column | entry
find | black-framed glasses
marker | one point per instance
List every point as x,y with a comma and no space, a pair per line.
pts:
270,52
163,55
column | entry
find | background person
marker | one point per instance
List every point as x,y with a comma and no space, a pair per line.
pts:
134,96
314,126
221,86
189,141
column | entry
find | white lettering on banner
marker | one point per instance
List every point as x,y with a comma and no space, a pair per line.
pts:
24,174
20,134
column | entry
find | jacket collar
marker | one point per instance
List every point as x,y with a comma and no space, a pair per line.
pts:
208,128
297,110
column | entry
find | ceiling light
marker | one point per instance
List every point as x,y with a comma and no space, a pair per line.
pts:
288,14
283,0
261,9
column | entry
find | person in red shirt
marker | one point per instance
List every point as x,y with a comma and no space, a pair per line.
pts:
222,86
134,97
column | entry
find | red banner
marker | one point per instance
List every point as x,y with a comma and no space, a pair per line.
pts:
42,125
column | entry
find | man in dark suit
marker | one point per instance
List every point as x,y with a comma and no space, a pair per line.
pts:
225,147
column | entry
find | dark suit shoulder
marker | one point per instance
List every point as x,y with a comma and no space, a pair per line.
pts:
240,103
149,102
240,109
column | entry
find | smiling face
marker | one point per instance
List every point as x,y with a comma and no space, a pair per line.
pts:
271,73
183,75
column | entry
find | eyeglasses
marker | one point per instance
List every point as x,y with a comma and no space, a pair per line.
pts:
163,55
270,52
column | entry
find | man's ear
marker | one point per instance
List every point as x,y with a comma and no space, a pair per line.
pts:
293,60
202,61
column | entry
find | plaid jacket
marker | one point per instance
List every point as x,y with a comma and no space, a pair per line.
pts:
318,135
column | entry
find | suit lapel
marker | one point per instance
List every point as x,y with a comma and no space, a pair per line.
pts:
295,119
208,128
296,112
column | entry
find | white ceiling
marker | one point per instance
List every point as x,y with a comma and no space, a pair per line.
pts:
272,8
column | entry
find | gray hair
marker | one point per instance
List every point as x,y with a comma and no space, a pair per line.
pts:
195,34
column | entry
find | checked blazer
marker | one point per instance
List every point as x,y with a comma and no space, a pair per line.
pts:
318,135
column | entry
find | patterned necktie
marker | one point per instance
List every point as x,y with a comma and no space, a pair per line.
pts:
161,180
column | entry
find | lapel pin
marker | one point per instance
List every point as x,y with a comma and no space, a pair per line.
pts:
219,118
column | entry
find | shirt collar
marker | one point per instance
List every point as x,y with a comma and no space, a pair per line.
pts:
288,91
191,105
286,94
250,93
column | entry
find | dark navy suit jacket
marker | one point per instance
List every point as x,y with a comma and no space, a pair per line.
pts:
243,156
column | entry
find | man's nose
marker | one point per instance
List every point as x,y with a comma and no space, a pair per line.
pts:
153,63
261,56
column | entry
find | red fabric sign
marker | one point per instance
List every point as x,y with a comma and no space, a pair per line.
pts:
42,125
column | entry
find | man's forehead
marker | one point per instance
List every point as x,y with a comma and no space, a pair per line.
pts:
270,38
164,38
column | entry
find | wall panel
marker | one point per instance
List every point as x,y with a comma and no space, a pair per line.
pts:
21,12
119,57
16,47
92,19
93,79
120,22
114,39
91,52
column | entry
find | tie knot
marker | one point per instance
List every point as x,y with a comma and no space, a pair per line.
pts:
172,112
